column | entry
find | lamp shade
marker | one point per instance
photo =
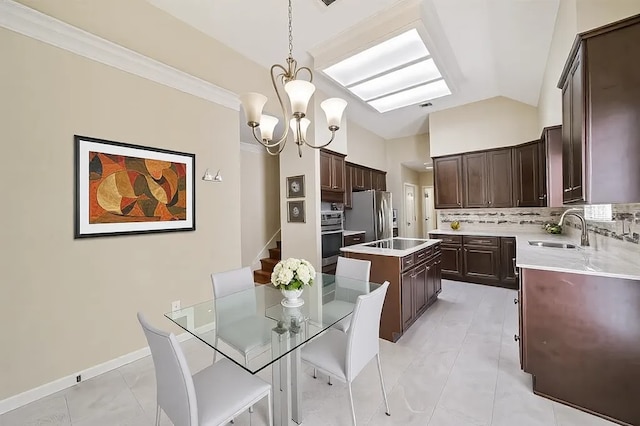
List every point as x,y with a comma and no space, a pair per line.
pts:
267,126
300,93
304,125
252,103
333,108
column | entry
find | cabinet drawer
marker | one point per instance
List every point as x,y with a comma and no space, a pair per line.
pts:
422,255
448,239
350,240
481,241
407,262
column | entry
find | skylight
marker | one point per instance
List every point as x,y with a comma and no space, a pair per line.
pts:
393,74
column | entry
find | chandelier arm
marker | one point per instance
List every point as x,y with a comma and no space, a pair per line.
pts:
333,135
295,75
262,141
283,75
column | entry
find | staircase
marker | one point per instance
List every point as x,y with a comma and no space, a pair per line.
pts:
263,275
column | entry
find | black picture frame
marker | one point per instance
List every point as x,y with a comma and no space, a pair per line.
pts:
147,190
295,186
296,212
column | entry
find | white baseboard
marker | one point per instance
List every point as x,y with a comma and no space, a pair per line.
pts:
50,388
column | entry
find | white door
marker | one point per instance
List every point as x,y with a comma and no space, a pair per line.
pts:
428,211
410,219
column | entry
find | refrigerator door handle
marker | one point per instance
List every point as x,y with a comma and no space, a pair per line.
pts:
380,225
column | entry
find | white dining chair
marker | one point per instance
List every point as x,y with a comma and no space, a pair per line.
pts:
213,396
238,323
344,355
347,291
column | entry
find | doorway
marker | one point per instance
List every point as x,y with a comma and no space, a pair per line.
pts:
410,216
428,211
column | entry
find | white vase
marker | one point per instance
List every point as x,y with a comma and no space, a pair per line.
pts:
292,298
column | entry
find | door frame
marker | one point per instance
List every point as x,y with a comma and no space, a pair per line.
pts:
404,209
425,233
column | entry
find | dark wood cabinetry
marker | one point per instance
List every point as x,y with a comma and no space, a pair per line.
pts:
474,180
352,239
478,259
332,171
447,172
414,285
528,182
600,112
579,340
507,261
360,178
499,174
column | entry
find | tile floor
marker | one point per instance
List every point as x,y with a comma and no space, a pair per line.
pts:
457,366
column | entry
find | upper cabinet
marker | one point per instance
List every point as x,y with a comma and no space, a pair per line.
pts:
332,172
527,181
486,179
600,114
447,178
361,178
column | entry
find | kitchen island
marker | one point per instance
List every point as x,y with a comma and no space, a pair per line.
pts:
412,267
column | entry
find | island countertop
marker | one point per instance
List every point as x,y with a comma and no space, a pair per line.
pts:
581,260
421,243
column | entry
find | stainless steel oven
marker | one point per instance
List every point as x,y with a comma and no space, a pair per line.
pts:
331,231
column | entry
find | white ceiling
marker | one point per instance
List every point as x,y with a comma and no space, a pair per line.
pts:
485,48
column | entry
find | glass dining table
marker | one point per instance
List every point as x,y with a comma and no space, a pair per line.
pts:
254,330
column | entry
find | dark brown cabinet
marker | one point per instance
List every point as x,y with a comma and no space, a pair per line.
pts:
447,172
414,286
474,179
487,179
352,239
527,180
600,108
477,259
481,259
379,180
332,177
348,185
507,261
361,178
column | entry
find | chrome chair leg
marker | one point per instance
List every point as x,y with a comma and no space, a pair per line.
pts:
157,415
353,410
270,403
384,392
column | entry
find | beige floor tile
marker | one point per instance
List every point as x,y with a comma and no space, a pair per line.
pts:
568,416
47,411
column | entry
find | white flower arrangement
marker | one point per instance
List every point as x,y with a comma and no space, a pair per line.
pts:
293,274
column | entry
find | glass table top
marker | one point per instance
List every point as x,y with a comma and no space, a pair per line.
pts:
253,329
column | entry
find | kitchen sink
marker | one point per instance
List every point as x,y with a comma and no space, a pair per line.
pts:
552,244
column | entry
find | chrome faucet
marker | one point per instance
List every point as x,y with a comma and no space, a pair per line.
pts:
584,236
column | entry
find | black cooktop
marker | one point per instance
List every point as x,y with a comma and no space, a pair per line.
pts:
396,244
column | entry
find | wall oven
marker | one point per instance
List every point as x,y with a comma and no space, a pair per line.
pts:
331,231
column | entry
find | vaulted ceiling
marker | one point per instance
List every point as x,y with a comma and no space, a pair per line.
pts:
484,48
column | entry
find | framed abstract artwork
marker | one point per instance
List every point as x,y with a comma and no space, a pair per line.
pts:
123,189
295,211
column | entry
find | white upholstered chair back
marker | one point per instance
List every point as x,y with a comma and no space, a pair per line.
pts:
363,341
229,283
355,269
176,392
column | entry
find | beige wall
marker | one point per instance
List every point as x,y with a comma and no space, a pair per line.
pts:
491,123
259,202
366,148
71,304
574,16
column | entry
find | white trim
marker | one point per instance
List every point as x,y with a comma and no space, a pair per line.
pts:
65,382
31,23
253,147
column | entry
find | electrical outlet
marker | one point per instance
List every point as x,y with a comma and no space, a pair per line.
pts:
78,378
175,306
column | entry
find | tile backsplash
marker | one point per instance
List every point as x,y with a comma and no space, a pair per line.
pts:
624,228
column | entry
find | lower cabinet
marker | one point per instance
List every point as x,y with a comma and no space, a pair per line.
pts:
419,286
478,259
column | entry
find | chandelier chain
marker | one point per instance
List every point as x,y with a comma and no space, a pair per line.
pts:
290,30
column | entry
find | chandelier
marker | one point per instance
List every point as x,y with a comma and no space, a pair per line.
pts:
299,93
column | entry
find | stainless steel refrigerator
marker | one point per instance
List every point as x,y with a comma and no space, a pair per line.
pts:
371,212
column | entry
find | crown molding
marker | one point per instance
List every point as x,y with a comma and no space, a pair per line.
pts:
39,26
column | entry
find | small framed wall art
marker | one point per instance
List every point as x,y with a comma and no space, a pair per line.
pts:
123,189
295,186
295,211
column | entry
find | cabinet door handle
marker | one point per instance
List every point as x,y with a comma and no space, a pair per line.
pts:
489,202
518,203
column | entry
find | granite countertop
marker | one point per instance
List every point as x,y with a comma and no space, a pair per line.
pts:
347,233
362,248
581,260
